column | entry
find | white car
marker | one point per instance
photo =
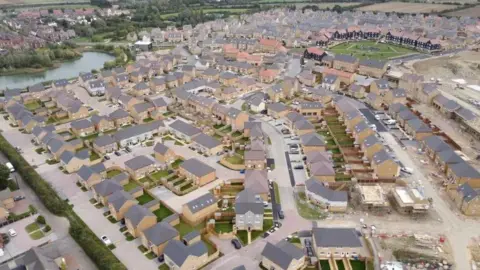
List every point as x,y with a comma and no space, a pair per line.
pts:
105,240
1,252
12,232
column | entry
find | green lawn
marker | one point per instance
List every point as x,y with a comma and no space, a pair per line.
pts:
340,265
90,137
177,163
210,247
168,138
240,152
307,210
219,126
370,50
159,174
129,186
163,267
178,143
357,265
32,227
186,187
242,235
94,156
235,159
37,235
113,173
146,120
227,129
277,192
236,133
162,213
223,227
324,265
32,106
145,198
183,228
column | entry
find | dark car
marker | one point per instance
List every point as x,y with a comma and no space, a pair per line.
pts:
236,244
308,243
117,153
281,215
298,167
18,198
161,258
106,157
294,146
128,149
265,235
309,251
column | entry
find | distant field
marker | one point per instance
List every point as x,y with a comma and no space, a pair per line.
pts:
36,2
370,50
471,12
402,7
301,4
210,10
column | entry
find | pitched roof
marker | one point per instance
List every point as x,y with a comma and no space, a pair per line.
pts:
196,167
178,252
316,187
463,169
160,148
468,193
118,199
373,63
312,139
104,140
85,172
381,156
139,162
201,202
248,201
137,213
185,128
81,124
206,141
277,107
336,237
107,187
418,125
370,140
282,254
256,181
160,233
322,169
137,130
436,143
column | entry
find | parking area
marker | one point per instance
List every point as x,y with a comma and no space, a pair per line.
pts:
22,242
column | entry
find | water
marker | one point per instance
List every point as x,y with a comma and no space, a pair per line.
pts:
89,61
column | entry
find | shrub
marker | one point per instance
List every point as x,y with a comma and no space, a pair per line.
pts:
47,228
41,220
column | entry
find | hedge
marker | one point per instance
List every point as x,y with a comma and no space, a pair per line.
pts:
93,247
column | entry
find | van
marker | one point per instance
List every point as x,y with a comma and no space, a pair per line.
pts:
10,167
407,170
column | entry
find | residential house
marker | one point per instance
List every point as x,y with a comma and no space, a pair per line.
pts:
412,83
135,134
380,87
119,203
338,243
163,153
121,80
418,129
307,108
120,118
72,162
249,211
236,119
395,108
104,189
467,199
257,182
83,127
404,116
127,102
57,146
433,145
277,110
141,111
302,127
384,166
255,157
361,131
352,118
141,89
427,92
140,166
267,75
397,95
158,84
138,219
88,177
319,194
96,87
206,144
322,171
105,144
370,146
283,255
200,209
197,171
345,62
312,142
314,53
61,84
185,257
461,173
372,68
184,130
331,82
158,236
102,123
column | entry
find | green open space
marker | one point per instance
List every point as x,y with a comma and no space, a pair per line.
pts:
176,163
32,106
277,192
370,50
94,156
129,186
145,198
340,265
162,213
357,265
37,235
186,187
243,236
235,159
307,210
324,265
90,137
184,228
32,227
113,173
223,227
159,174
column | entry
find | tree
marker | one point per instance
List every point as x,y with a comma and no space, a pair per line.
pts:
41,220
4,175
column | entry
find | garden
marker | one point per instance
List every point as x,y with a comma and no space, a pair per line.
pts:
370,50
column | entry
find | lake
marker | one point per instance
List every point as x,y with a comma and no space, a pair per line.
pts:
89,61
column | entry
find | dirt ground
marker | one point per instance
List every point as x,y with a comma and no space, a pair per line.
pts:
471,12
407,7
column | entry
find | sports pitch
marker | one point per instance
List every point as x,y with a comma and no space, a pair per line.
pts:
370,50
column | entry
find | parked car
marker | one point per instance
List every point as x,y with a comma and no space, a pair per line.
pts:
407,170
294,152
294,146
272,230
242,171
265,235
105,240
12,233
128,149
308,243
161,258
309,251
117,153
1,252
18,198
298,167
106,157
236,244
265,204
281,215
278,224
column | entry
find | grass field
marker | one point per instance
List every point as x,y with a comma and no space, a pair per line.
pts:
209,10
403,7
471,12
370,50
36,2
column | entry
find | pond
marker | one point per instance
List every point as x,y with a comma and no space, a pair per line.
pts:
89,61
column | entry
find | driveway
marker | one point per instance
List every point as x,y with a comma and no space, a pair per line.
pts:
93,102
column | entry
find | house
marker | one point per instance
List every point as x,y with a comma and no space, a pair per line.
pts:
61,84
331,82
121,80
372,68
461,173
83,127
397,95
107,76
322,171
283,255
307,108
312,142
411,83
410,200
120,118
271,46
427,92
57,146
141,111
253,130
338,243
433,145
113,93
302,127
362,131
163,153
370,146
395,109
228,78
467,199
418,129
206,144
72,162
158,236
6,203
102,123
88,177
277,110
141,89
200,209
352,118
184,130
249,211
182,257
332,200
140,166
104,189
119,203
379,87
293,117
236,119
384,166
307,78
105,144
158,84
96,87
255,159
127,102
257,104
257,182
445,105
138,219
135,134
314,53
197,171
345,62
267,75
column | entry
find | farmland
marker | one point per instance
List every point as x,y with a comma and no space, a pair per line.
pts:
403,7
470,12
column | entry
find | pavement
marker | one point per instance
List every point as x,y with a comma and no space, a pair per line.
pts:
82,94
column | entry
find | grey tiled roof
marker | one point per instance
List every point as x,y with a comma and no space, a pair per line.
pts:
381,156
314,186
373,63
160,233
118,114
196,167
137,130
312,139
206,141
139,162
104,140
81,124
118,199
107,187
178,252
160,148
370,140
137,213
191,235
468,193
201,202
345,58
185,128
463,169
336,237
282,254
277,107
435,143
248,201
418,125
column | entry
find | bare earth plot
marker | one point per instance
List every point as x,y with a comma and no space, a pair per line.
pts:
402,7
470,12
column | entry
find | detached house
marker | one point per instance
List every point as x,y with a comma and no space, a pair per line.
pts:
120,118
199,172
140,166
200,209
163,153
105,144
119,203
312,142
82,127
88,177
283,255
249,211
102,123
138,219
158,236
185,257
